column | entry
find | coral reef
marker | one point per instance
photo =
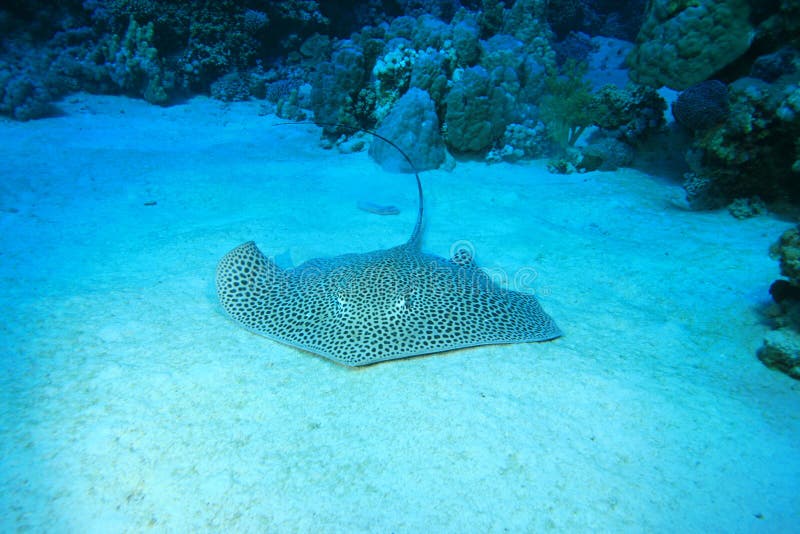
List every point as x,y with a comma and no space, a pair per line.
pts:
606,60
754,152
503,76
683,42
625,116
441,9
526,21
466,42
197,42
702,193
392,75
478,110
771,67
620,20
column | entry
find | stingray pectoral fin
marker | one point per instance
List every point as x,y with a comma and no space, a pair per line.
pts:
247,282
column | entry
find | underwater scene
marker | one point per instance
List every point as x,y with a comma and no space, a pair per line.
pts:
400,266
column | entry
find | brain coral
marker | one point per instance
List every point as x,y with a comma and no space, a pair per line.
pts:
702,105
683,42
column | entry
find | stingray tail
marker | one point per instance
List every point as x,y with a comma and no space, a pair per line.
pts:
417,231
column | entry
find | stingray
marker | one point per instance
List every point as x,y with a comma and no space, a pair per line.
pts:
360,309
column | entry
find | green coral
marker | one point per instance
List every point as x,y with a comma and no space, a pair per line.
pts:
567,107
683,42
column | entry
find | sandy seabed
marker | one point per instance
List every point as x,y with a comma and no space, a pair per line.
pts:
130,401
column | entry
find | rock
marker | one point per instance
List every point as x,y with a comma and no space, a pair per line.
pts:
781,351
413,126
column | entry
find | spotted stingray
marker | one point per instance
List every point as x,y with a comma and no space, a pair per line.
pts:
359,309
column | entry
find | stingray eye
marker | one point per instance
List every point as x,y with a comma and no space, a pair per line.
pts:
404,300
462,252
